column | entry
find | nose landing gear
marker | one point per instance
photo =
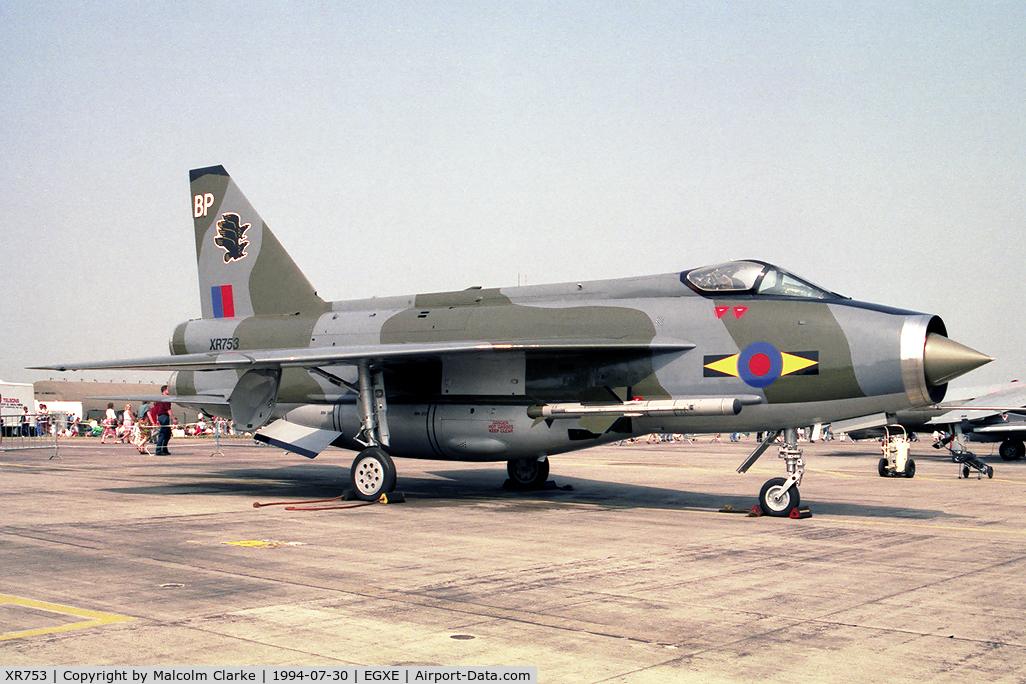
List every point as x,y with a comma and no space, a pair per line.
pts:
779,495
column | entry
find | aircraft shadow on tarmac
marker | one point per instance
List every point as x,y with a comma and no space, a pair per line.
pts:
474,486
305,481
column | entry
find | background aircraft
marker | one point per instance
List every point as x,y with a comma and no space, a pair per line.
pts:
998,416
520,374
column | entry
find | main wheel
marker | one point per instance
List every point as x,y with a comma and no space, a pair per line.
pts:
776,501
990,471
882,467
528,473
910,468
1012,450
372,474
965,472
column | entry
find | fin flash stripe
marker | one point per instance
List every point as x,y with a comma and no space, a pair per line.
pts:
223,300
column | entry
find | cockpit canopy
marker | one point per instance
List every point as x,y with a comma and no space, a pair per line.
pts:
751,278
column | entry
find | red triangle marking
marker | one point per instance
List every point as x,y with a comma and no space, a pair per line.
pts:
721,310
740,311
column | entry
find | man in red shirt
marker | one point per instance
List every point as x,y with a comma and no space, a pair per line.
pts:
161,415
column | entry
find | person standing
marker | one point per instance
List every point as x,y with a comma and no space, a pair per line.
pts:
127,420
42,421
144,409
110,424
142,432
161,415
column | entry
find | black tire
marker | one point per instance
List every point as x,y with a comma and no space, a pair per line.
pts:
882,467
778,507
528,473
1012,450
910,468
965,472
372,474
990,472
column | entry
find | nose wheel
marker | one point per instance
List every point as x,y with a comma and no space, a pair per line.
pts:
778,497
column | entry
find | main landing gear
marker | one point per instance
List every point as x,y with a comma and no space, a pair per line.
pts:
779,495
528,473
372,474
1012,450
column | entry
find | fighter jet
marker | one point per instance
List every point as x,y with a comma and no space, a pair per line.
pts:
998,416
524,373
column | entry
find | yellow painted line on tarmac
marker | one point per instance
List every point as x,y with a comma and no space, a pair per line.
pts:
263,543
996,479
835,473
91,618
874,476
913,526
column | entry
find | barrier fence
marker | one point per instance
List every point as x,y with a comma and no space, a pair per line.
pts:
23,431
32,430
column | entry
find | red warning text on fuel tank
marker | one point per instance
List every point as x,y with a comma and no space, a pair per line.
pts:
500,426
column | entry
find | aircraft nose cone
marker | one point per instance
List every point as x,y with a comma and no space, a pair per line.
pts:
944,359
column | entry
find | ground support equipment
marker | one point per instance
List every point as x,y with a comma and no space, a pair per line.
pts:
969,462
895,461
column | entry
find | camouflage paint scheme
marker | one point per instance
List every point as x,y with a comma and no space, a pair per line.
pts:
440,398
461,370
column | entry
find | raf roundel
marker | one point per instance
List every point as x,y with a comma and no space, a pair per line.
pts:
760,364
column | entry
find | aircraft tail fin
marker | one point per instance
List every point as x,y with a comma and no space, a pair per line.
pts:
243,269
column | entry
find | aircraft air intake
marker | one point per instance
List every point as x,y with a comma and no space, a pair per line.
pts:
930,360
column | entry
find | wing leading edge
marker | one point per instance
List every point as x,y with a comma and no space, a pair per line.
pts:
309,357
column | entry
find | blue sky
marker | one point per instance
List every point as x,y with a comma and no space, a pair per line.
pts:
878,150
